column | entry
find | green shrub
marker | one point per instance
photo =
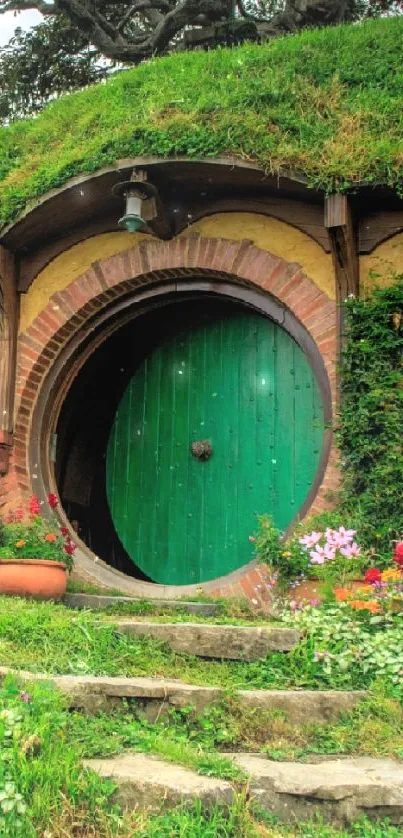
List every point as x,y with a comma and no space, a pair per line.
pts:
370,434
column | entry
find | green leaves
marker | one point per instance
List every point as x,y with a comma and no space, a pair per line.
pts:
371,419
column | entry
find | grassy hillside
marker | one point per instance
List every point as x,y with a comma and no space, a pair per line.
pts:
327,104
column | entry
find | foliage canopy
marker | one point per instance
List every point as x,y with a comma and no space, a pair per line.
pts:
326,104
63,52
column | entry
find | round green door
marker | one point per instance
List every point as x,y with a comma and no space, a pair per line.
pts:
240,382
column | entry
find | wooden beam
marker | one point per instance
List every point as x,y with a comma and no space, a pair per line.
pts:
8,353
340,224
378,227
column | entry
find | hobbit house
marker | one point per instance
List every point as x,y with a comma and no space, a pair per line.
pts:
174,375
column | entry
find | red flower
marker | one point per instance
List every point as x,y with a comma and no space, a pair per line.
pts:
398,557
69,548
372,575
19,514
64,531
53,500
34,505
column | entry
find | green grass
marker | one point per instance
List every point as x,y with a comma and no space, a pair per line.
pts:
43,637
374,728
41,751
75,586
325,103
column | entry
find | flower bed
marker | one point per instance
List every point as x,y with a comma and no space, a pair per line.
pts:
328,564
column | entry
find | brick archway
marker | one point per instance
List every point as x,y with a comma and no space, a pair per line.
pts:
72,310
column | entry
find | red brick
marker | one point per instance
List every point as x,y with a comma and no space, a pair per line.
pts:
208,249
193,249
292,288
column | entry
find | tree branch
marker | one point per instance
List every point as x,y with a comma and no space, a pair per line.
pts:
25,5
147,27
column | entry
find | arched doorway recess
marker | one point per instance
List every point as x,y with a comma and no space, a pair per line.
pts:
125,295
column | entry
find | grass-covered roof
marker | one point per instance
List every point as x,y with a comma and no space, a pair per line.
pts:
327,104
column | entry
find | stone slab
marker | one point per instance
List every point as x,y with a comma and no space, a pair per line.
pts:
149,783
152,696
101,602
94,694
225,642
303,707
340,791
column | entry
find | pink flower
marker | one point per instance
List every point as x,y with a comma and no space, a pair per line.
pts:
351,550
309,541
322,554
339,538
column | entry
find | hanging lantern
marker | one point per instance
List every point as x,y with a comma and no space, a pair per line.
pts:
141,203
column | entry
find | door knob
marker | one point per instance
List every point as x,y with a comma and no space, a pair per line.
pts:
201,449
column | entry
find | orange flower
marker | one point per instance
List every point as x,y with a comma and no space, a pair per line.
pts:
374,607
341,594
20,543
50,536
358,604
365,605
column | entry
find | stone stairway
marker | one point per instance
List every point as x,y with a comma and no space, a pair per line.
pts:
339,791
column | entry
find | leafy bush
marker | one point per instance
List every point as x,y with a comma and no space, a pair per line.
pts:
371,421
352,649
289,558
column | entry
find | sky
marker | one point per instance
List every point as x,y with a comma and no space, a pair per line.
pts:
8,22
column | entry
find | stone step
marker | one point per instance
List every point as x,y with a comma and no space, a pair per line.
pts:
151,696
148,783
229,642
101,602
339,791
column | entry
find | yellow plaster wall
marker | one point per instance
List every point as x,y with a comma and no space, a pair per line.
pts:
267,233
279,238
69,265
385,260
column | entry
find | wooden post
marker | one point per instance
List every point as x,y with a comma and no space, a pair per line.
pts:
340,224
8,352
343,238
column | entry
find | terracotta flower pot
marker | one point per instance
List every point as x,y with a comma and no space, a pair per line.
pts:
32,578
311,589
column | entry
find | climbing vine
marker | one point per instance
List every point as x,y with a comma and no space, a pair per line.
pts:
371,419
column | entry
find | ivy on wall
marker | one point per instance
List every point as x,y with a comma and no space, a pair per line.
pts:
371,422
